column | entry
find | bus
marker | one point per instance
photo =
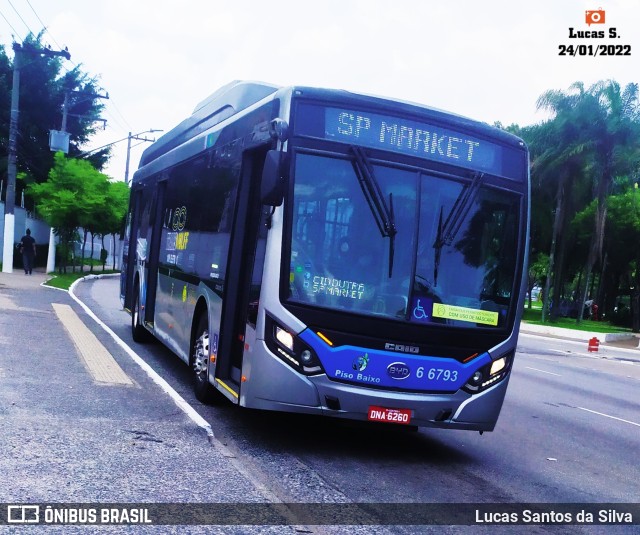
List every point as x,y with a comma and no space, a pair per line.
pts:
323,252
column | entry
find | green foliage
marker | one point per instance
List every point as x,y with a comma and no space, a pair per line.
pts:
535,318
77,195
588,150
43,84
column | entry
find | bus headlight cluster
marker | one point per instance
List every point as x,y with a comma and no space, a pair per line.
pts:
489,375
284,338
291,349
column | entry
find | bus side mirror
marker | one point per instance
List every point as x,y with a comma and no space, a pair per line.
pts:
273,179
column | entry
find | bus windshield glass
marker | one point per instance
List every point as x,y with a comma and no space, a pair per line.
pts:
454,247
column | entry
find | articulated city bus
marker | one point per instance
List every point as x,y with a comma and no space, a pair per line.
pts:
324,252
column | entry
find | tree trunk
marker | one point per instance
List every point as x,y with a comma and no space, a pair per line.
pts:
104,262
84,244
556,230
91,257
113,236
635,301
583,296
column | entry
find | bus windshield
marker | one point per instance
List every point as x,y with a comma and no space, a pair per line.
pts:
454,251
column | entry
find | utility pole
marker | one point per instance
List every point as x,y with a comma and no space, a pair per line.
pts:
65,106
63,137
59,139
10,196
136,137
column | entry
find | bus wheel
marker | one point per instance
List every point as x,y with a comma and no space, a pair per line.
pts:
138,332
200,362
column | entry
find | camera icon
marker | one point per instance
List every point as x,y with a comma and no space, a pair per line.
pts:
594,17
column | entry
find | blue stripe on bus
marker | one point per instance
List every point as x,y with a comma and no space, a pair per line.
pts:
387,369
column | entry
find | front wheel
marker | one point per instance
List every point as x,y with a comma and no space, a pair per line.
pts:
138,332
200,358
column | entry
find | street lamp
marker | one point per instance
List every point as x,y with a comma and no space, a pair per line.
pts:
129,138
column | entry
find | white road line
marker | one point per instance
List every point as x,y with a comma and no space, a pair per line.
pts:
186,408
609,416
166,387
543,371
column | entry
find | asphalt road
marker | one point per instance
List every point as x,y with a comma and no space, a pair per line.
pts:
569,431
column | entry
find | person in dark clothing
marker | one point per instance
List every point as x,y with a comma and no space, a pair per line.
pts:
28,250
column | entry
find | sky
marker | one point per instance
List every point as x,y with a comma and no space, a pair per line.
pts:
488,60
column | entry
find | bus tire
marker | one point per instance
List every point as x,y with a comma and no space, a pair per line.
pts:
138,332
200,357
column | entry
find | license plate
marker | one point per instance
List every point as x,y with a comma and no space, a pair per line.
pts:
394,416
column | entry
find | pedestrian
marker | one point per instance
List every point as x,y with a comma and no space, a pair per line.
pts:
28,250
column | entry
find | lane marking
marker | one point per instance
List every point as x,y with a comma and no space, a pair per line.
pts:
191,413
609,416
543,371
101,365
153,375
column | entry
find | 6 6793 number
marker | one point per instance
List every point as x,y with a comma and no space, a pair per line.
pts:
437,374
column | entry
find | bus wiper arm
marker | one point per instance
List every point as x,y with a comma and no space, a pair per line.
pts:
447,232
382,213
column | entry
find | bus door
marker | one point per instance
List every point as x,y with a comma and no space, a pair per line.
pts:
241,292
155,226
129,255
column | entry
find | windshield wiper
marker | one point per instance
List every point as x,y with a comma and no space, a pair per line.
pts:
382,213
447,232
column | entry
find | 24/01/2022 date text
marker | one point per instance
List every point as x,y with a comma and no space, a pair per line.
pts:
594,50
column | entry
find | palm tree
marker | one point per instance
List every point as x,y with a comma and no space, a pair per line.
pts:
560,148
616,151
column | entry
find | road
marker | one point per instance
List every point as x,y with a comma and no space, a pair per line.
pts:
569,432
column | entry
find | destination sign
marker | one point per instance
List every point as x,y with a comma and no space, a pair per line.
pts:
410,137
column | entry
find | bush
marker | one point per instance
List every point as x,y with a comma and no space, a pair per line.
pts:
621,316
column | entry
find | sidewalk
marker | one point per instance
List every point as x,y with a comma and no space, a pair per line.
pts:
74,431
624,342
629,340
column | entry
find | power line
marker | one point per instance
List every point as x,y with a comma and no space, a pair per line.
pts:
110,109
120,114
111,104
11,26
20,17
44,26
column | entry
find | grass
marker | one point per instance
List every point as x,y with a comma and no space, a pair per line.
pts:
534,317
65,280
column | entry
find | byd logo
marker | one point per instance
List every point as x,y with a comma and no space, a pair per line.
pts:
594,17
398,370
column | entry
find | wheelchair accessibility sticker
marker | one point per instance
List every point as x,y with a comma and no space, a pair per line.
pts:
425,310
422,309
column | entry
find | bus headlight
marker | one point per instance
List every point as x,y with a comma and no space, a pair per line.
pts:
285,338
489,375
291,349
497,365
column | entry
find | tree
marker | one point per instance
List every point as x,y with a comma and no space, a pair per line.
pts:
559,150
42,94
6,78
590,144
537,274
621,236
616,151
70,198
109,217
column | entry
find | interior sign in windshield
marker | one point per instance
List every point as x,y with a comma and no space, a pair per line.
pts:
411,137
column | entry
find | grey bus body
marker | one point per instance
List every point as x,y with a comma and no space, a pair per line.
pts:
318,251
